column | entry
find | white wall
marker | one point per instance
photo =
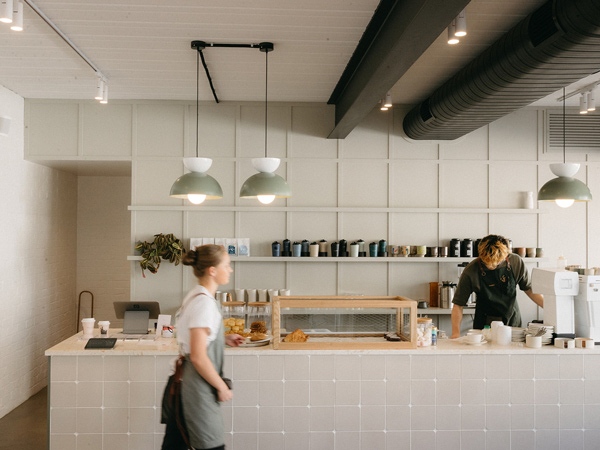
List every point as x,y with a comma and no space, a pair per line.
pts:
37,270
366,186
103,235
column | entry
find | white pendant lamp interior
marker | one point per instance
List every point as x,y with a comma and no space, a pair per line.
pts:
265,186
196,186
565,190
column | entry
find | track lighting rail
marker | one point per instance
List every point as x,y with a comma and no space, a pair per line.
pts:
202,45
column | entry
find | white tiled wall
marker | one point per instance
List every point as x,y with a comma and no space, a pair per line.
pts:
37,270
355,402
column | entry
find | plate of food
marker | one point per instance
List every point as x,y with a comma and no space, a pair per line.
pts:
257,340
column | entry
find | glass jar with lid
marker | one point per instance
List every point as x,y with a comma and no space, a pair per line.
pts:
259,317
234,317
424,326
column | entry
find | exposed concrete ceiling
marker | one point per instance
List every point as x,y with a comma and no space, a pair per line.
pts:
143,48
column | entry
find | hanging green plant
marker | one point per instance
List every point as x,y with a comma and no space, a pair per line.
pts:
163,247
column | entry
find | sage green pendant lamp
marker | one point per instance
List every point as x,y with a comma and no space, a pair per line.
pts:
265,186
564,190
196,186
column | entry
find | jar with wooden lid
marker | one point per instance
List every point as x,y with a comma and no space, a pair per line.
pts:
234,317
259,318
424,326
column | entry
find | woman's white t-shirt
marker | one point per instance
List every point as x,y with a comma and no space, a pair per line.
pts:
197,311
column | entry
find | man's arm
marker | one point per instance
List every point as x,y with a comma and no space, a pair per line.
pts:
537,298
456,317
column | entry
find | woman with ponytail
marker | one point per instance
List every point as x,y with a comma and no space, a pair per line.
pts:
201,339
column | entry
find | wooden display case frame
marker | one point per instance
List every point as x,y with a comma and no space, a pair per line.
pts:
409,336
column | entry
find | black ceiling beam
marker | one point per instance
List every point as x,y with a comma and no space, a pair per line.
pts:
397,35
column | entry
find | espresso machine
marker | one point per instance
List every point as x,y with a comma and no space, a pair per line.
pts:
559,288
587,308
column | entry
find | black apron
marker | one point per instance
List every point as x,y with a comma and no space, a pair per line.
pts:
497,297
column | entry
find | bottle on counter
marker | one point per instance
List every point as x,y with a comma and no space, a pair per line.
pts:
487,333
434,335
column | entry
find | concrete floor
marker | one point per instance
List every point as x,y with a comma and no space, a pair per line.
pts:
25,427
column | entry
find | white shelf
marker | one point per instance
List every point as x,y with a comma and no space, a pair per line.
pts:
322,259
347,259
325,209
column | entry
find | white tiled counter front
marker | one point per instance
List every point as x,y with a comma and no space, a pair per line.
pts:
450,397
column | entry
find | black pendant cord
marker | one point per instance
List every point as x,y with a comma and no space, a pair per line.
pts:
212,88
564,128
266,96
197,97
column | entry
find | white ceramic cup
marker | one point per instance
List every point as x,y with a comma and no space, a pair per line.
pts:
262,295
503,335
533,341
272,294
584,343
251,295
240,295
494,326
474,338
284,292
88,327
103,325
564,343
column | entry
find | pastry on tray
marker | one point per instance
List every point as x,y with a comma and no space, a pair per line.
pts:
296,336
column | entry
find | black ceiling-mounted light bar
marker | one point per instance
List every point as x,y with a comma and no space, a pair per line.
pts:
201,45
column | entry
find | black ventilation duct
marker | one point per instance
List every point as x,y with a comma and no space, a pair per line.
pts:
551,48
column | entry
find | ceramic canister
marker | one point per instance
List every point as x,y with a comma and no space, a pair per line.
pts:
373,249
322,247
382,251
276,248
354,250
362,248
314,249
343,248
305,248
335,249
297,249
286,248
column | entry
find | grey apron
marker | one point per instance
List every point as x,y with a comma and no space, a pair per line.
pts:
201,407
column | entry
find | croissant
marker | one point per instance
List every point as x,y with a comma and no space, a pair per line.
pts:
296,336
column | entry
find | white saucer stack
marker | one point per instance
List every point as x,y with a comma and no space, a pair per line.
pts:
518,334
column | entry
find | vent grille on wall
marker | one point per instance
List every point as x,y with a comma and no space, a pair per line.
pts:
582,131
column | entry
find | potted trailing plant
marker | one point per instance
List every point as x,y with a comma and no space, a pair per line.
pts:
163,247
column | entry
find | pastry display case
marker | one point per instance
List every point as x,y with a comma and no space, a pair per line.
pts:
344,322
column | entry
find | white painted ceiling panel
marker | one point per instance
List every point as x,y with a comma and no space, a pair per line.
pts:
143,48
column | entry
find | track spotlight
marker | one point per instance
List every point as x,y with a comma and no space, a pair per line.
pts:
99,89
460,24
452,39
104,94
591,101
17,23
388,100
583,106
6,11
